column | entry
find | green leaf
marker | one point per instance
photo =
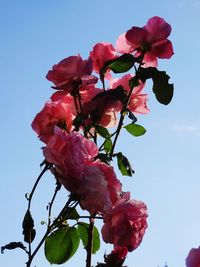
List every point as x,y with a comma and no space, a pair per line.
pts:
162,89
135,129
102,131
124,165
73,215
121,64
28,228
61,245
108,145
83,229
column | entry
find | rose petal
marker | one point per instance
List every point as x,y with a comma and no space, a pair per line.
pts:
157,28
162,49
122,45
137,36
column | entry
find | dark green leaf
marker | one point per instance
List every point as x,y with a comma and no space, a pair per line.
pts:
124,165
61,245
108,145
102,131
135,129
77,122
73,214
83,229
28,228
121,64
133,82
161,86
104,158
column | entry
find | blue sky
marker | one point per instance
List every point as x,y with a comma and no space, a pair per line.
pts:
37,34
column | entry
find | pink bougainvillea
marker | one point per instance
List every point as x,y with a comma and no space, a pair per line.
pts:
125,224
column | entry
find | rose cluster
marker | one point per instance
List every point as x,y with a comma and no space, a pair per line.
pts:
69,121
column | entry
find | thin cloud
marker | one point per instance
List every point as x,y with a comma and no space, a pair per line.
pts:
186,128
187,3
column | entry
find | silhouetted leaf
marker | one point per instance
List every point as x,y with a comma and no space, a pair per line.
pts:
135,129
13,245
132,116
124,165
28,228
61,245
83,230
161,86
104,158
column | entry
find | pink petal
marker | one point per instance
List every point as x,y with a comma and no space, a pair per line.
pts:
162,49
150,60
137,36
122,45
157,28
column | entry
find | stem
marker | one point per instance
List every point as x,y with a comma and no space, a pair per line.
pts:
81,110
49,227
90,243
58,186
28,264
46,167
121,121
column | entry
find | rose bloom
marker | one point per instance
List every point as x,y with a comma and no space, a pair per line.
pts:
125,224
101,53
138,100
70,73
69,153
54,113
99,188
103,108
150,39
193,258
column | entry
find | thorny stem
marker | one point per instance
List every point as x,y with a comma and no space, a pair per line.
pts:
90,243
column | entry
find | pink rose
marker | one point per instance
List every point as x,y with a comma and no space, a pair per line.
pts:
103,108
99,188
193,258
150,39
54,113
137,103
101,53
125,224
71,73
69,153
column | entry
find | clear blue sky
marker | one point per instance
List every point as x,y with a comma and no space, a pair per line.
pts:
37,34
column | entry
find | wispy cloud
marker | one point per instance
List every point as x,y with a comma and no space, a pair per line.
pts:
189,3
193,127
